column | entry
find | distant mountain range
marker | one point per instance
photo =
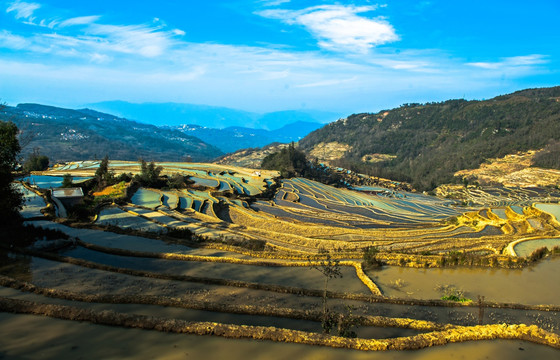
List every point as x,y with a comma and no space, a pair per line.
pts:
175,114
234,138
65,134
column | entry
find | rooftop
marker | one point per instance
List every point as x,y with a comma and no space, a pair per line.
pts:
67,192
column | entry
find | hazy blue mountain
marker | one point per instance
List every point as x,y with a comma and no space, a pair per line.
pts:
278,119
65,134
234,138
174,114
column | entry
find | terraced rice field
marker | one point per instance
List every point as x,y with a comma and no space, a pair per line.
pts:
147,273
305,216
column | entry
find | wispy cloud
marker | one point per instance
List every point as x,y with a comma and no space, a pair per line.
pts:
11,41
511,63
132,39
327,83
81,20
22,10
339,27
87,37
273,2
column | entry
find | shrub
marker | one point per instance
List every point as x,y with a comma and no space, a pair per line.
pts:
27,234
370,258
67,181
180,233
538,254
149,175
36,162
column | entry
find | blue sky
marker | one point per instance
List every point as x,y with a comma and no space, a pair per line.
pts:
267,55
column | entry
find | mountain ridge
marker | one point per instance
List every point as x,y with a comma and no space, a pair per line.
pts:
427,143
67,134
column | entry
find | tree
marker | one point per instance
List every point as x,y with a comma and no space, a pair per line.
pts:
103,176
149,174
67,181
370,257
176,181
36,162
289,161
11,200
330,268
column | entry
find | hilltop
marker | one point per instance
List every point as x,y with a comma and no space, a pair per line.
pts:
426,144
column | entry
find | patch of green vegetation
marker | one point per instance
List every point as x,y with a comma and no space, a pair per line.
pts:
150,175
370,257
289,161
452,293
455,298
10,199
36,162
67,181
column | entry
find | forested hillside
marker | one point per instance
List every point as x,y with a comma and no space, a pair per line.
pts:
425,144
70,135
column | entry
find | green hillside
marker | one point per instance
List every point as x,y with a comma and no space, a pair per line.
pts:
434,140
69,135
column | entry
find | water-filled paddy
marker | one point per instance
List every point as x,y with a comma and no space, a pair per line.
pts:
65,339
500,212
525,248
123,219
33,203
201,315
553,209
532,285
134,243
518,209
211,183
147,198
170,199
185,202
288,276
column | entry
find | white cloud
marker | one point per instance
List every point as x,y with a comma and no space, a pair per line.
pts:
23,10
511,63
273,2
81,20
132,39
11,41
85,37
93,40
99,58
327,83
339,27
